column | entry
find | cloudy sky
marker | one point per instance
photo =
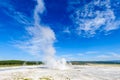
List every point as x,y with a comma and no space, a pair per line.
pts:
71,29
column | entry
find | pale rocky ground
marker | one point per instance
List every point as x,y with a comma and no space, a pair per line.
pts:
77,72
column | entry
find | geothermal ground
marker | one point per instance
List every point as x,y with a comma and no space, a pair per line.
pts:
76,72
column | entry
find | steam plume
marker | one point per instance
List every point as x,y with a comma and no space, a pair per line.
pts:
42,39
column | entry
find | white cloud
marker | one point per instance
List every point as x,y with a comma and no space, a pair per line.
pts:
112,26
67,30
94,16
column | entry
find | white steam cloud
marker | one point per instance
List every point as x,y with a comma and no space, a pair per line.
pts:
93,16
41,41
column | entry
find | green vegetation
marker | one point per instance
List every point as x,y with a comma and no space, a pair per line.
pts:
18,62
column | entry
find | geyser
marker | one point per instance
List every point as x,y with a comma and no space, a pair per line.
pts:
46,40
42,39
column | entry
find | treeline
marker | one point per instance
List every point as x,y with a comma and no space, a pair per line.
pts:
93,62
19,62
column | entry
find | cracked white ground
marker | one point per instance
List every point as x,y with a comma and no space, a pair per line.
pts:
76,72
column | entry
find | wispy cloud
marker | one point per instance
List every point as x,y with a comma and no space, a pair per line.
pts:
93,56
91,52
67,30
109,56
10,11
93,17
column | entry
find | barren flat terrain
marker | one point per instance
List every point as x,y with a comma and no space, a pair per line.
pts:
76,72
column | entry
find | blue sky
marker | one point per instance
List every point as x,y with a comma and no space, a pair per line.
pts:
84,29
